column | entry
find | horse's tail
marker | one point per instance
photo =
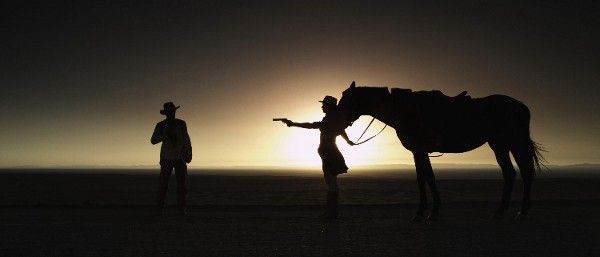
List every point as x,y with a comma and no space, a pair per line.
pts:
533,149
539,161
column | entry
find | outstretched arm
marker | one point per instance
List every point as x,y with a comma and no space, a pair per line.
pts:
345,137
306,125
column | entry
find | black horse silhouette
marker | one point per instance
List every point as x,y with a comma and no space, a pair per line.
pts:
429,121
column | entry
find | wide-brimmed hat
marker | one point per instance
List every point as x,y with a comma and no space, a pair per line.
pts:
168,107
329,100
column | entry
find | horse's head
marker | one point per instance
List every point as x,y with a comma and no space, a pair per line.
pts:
348,104
357,101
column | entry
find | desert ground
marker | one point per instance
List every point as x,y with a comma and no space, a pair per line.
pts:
98,213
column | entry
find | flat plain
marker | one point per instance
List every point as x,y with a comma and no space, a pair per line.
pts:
111,213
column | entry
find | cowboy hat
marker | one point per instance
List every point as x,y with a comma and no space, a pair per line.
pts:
329,100
168,107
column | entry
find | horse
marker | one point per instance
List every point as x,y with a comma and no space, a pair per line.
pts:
429,121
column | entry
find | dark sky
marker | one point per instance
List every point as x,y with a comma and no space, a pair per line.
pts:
82,83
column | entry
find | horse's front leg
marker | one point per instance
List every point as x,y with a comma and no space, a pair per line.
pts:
423,166
419,216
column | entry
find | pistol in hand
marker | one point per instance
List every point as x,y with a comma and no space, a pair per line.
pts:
284,120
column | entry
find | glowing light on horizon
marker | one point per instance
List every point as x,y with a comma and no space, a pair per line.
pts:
302,144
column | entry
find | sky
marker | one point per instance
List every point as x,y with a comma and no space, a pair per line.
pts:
83,83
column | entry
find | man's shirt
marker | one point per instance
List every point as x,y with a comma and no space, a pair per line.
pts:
175,140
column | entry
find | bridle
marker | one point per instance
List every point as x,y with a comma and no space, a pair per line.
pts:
365,131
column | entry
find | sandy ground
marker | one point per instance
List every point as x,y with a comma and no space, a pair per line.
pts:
94,221
466,229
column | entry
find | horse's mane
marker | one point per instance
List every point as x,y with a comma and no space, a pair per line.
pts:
373,90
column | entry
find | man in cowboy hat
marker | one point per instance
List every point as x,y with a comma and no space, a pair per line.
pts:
175,152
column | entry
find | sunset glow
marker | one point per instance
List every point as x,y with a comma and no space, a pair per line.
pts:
301,146
89,95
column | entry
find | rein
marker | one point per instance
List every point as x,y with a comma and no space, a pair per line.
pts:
358,143
430,156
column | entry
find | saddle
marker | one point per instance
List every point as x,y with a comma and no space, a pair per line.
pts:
431,114
434,100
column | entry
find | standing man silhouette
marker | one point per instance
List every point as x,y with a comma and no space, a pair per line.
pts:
175,152
331,126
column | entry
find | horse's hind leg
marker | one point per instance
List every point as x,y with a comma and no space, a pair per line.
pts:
508,172
423,166
524,158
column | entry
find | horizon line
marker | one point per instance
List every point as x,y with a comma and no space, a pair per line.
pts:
280,167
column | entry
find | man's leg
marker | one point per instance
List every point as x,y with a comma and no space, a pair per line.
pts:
166,167
181,174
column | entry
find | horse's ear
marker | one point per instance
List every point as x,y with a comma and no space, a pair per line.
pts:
353,85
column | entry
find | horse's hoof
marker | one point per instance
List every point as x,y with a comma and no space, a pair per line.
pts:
521,216
417,218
